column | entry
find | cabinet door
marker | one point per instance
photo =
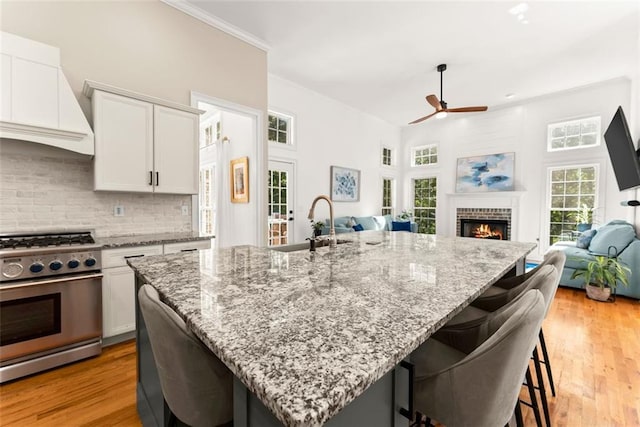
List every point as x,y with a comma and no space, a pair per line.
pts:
175,151
123,129
118,301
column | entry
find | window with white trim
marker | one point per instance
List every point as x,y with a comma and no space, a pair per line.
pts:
570,189
387,156
280,129
207,199
424,155
424,204
574,134
387,196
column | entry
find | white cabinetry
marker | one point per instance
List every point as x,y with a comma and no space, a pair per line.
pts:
143,144
118,285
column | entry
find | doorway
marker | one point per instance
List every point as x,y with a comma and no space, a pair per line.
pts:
281,193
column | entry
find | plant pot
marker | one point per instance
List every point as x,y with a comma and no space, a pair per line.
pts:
597,293
317,233
583,227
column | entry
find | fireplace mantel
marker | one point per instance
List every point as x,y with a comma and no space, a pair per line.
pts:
487,200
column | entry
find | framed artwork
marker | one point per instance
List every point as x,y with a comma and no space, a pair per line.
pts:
479,174
239,169
345,184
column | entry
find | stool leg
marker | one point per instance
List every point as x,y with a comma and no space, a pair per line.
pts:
532,396
547,363
518,411
541,389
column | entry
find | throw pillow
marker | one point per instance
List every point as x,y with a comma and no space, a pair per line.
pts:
584,239
358,227
400,226
612,239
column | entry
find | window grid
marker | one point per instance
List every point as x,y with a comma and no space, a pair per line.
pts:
573,134
570,189
387,199
424,204
279,129
277,193
426,155
386,156
207,209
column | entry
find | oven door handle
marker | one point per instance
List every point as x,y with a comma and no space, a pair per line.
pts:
50,281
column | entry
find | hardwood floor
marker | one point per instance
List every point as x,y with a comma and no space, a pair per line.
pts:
594,349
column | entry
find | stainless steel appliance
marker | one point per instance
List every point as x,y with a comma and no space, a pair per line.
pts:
50,301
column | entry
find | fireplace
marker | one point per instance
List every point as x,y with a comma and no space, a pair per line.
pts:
486,223
485,229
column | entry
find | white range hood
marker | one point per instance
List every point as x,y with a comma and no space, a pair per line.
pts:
38,104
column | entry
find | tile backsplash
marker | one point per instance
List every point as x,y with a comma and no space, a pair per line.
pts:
44,188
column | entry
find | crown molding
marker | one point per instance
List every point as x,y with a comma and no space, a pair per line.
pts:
209,19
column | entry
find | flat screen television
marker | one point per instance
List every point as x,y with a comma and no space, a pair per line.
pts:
623,154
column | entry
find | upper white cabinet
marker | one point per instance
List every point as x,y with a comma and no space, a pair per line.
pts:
143,144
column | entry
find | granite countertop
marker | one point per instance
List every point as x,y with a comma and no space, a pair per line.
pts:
149,239
309,332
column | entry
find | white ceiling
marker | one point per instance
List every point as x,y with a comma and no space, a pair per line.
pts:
381,57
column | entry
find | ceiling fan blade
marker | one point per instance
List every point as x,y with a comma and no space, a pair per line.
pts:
467,109
433,100
422,118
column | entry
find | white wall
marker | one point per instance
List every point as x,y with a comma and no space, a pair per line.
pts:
522,129
330,133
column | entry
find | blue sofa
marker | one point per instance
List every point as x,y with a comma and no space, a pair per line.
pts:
615,236
344,224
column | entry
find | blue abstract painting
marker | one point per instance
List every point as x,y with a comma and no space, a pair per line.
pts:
345,184
485,173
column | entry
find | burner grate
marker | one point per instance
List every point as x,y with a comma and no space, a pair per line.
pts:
45,240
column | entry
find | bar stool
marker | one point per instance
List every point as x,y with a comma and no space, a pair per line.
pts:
196,385
479,388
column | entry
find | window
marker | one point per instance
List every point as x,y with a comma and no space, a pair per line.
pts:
570,188
386,156
280,128
425,155
207,206
387,196
424,204
573,134
277,210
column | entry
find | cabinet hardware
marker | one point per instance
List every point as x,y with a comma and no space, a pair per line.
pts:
408,413
157,178
133,256
188,250
150,177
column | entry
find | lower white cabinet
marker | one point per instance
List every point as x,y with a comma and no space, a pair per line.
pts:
118,285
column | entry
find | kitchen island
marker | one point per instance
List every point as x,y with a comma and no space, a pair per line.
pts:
309,335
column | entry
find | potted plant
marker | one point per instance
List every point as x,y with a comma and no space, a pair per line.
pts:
601,275
584,218
405,215
317,227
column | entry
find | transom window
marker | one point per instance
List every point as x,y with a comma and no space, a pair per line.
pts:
386,156
424,204
387,196
571,189
424,155
573,134
280,128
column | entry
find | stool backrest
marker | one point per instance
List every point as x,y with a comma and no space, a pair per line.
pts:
196,385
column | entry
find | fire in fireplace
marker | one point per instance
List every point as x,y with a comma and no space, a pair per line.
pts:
484,229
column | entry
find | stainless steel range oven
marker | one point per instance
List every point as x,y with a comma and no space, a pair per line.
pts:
50,301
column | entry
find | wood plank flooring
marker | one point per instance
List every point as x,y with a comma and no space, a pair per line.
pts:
594,349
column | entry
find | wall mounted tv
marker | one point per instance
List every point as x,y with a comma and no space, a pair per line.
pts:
624,157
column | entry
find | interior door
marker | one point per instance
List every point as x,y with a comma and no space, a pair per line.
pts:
280,198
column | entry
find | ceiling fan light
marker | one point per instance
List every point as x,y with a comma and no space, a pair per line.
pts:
441,114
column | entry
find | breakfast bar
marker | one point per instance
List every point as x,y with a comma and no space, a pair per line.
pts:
316,338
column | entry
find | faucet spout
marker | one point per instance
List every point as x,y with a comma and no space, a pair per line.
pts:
332,230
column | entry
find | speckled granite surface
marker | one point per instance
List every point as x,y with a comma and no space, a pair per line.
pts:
148,239
308,333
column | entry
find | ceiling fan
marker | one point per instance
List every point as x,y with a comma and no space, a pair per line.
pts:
441,106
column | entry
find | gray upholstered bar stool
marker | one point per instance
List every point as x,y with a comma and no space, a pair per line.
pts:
196,385
480,388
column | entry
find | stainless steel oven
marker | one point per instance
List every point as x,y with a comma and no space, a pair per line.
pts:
50,302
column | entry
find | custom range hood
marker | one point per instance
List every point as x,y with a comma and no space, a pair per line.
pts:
38,104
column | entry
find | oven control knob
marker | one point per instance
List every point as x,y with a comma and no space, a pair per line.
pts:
74,263
90,262
12,270
36,267
55,265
